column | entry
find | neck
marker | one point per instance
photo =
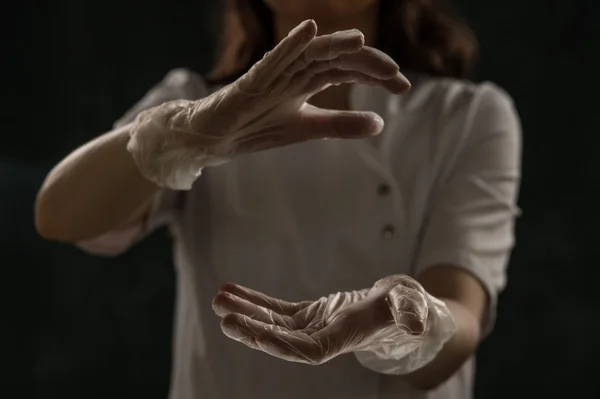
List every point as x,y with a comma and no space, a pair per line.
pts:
335,97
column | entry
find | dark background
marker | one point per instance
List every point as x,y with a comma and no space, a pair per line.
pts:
75,326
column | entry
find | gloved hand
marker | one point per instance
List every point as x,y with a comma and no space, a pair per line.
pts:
393,320
265,108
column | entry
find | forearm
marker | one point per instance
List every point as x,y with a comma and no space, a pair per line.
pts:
95,189
454,353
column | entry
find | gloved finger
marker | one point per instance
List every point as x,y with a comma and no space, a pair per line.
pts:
243,329
368,60
225,303
409,309
389,282
397,85
328,47
280,306
264,72
324,123
314,123
410,282
292,346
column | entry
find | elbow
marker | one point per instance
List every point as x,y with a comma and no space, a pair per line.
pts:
53,222
43,228
48,221
45,224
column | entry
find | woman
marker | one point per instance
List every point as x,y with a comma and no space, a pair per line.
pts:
346,221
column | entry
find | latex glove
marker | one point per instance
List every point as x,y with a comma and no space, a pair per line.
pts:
392,321
263,109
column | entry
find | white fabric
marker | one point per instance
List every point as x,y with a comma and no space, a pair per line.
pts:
304,221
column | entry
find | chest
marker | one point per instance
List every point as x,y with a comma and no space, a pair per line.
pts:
332,185
310,219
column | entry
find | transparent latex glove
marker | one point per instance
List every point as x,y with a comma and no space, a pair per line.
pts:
392,321
265,108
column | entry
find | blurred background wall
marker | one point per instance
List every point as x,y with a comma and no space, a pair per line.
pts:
77,327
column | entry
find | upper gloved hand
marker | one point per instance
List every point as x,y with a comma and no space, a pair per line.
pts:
265,108
390,318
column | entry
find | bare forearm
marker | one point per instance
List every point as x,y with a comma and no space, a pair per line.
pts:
454,353
95,189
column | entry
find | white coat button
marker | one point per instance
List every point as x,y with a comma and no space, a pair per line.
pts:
383,190
388,232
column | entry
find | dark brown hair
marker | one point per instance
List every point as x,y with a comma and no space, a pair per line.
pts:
420,35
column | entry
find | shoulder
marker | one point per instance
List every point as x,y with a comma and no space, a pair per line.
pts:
464,107
177,84
452,97
186,84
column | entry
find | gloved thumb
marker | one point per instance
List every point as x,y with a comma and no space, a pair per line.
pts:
409,309
325,123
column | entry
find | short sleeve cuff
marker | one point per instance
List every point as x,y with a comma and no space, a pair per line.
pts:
117,242
472,264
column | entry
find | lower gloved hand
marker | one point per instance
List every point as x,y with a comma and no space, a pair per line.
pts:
394,320
265,108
